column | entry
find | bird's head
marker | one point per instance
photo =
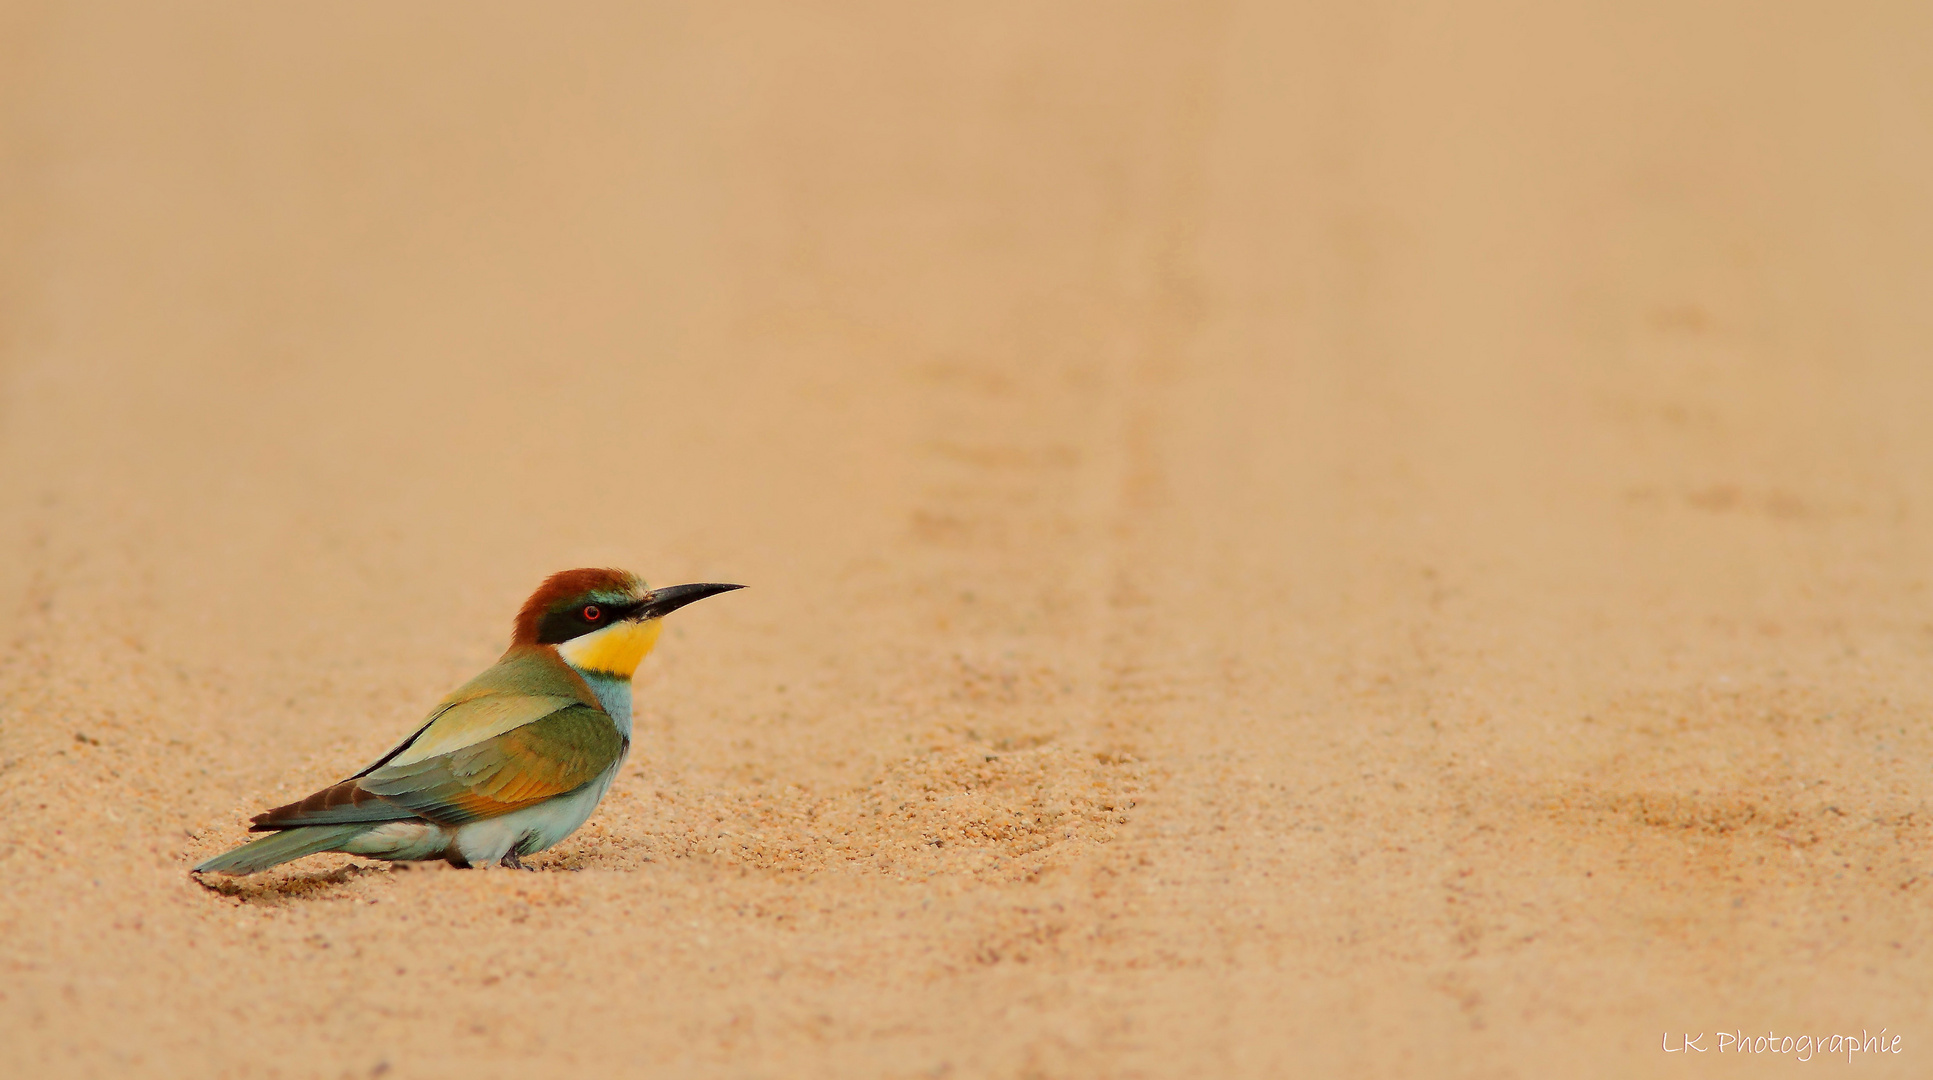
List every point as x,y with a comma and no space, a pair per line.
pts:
602,621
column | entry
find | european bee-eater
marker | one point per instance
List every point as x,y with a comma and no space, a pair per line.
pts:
510,763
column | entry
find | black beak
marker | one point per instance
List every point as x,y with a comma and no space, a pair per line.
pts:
662,602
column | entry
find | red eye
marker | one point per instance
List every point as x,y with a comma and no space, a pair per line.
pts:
591,613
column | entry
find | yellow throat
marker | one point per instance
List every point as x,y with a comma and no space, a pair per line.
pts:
617,649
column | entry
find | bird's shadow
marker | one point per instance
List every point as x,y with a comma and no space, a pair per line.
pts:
321,884
313,886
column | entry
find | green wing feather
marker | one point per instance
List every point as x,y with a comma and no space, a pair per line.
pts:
524,731
560,753
525,686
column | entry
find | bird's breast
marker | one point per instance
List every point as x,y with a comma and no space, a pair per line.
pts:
614,697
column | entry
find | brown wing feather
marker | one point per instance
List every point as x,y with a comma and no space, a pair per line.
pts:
339,803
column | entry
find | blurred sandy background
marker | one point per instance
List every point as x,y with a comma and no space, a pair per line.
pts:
1328,539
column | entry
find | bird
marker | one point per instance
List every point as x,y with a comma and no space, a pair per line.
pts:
511,762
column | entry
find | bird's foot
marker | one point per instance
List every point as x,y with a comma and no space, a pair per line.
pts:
513,862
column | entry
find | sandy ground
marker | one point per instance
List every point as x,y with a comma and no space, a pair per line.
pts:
1345,539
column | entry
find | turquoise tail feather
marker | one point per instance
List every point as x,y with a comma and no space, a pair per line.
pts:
281,847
